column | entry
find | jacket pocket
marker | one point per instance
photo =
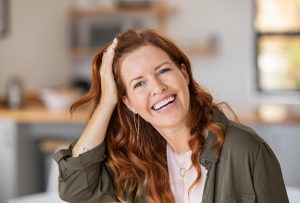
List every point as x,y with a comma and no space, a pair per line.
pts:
240,198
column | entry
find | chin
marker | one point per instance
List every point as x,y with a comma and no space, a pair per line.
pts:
170,123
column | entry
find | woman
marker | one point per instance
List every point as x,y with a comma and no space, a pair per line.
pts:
155,135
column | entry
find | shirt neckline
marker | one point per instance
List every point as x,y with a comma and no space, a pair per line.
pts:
178,154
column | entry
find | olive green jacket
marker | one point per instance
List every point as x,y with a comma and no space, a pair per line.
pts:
244,171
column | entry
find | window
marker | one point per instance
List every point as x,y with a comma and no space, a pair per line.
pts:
277,27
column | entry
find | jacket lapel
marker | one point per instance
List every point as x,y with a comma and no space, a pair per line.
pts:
209,157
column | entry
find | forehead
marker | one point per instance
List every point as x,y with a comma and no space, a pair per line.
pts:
143,59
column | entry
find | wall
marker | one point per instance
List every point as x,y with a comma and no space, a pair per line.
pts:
36,46
231,75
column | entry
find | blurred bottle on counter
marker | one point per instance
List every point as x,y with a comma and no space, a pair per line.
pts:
14,93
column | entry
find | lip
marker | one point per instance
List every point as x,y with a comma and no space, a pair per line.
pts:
162,99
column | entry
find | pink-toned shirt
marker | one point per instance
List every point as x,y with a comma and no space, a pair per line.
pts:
180,185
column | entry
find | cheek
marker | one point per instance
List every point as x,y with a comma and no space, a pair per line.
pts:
139,100
185,92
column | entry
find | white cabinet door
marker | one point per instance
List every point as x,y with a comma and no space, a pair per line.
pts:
20,161
8,136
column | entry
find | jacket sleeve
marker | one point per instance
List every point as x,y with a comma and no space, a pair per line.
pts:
268,181
84,178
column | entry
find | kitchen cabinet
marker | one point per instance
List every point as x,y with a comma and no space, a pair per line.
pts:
284,140
27,140
27,137
93,26
20,162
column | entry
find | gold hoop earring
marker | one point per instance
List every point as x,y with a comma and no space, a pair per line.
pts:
136,122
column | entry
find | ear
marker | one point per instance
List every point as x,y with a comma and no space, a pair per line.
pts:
128,104
184,72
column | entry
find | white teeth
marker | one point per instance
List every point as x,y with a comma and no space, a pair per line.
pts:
163,103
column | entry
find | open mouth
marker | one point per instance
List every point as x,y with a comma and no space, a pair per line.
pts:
165,103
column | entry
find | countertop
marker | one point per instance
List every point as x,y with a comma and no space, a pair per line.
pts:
42,115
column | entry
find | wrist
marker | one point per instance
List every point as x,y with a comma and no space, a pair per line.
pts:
78,149
108,103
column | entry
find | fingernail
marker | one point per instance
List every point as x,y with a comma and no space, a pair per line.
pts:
115,40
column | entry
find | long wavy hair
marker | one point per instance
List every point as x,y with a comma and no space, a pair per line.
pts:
139,165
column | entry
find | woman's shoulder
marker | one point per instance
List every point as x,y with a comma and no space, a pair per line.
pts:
242,139
238,138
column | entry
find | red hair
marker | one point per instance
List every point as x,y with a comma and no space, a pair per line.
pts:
135,167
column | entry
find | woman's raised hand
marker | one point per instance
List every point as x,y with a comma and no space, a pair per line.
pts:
95,131
108,84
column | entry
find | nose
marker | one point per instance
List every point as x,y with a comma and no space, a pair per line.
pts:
158,86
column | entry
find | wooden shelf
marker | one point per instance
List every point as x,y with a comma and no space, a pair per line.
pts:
110,11
51,146
159,10
42,115
84,52
198,51
155,10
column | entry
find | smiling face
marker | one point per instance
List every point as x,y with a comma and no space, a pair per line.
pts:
157,89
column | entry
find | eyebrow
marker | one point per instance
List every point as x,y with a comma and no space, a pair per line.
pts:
157,67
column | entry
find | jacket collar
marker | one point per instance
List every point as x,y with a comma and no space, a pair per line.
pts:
208,153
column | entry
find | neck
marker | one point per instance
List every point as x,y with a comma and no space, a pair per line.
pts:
177,137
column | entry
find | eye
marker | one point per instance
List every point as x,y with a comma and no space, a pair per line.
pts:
162,71
138,84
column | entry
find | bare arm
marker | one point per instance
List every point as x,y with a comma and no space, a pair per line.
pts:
95,131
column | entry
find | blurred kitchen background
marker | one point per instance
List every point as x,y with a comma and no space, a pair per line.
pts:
246,53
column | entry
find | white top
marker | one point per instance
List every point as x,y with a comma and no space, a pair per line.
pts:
180,185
